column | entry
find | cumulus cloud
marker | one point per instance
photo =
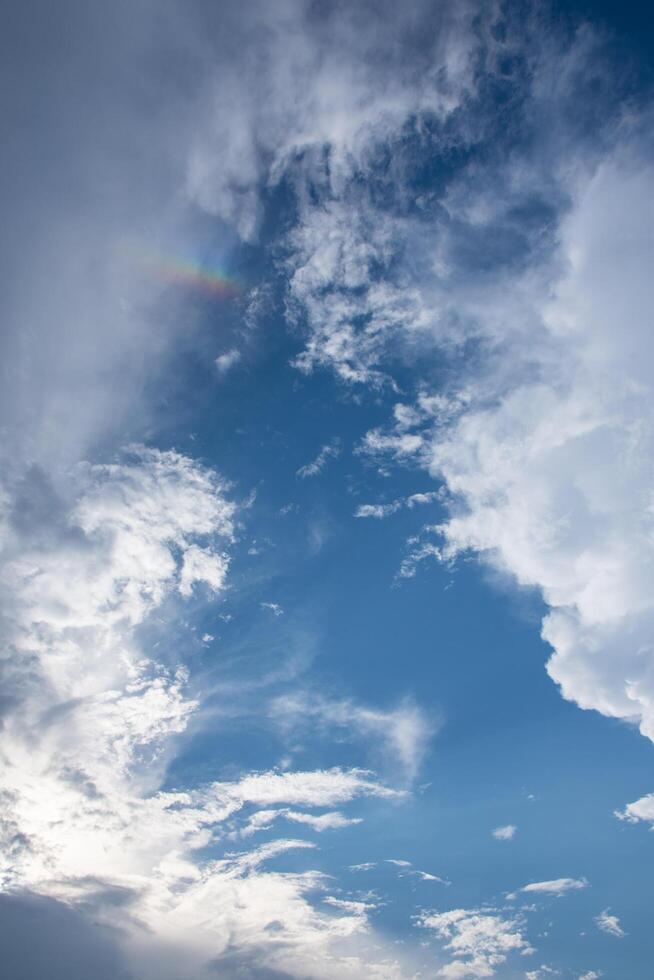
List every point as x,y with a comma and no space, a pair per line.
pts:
93,707
610,924
542,497
227,360
478,940
505,833
90,719
642,809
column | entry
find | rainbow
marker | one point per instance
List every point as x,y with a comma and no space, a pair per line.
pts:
210,280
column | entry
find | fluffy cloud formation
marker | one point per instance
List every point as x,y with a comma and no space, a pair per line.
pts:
89,721
642,809
479,940
87,713
610,924
505,833
536,474
227,360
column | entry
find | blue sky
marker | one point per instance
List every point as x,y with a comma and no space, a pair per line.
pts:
327,514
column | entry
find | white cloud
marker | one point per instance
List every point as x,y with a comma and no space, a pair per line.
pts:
610,924
558,886
427,876
590,975
385,510
420,549
505,833
402,733
315,788
543,497
333,820
274,608
407,870
329,451
264,820
227,360
377,510
91,720
257,120
642,809
479,940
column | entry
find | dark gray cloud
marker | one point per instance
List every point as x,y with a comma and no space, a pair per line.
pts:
92,98
40,937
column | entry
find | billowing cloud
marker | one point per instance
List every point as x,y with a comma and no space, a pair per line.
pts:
541,496
642,809
90,719
478,940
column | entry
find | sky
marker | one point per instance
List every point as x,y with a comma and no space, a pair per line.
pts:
326,498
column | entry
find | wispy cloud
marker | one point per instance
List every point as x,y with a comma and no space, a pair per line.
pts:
385,510
329,451
407,869
402,733
273,607
557,887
